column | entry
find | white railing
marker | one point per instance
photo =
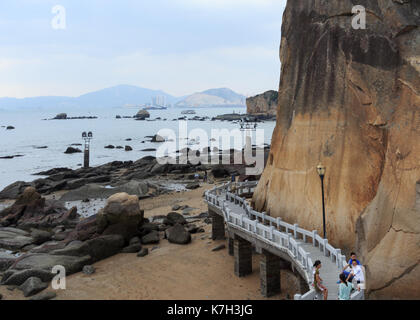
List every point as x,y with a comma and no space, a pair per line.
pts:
274,231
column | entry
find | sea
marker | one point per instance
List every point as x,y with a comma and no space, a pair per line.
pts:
40,144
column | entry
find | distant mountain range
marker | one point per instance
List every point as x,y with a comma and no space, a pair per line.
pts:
213,97
124,95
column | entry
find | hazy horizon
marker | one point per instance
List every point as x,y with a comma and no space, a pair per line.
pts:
178,46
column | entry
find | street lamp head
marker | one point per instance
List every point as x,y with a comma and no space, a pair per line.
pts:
84,135
90,135
321,170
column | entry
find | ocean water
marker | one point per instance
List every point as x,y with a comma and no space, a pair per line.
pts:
31,131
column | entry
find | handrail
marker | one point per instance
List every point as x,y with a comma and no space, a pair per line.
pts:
269,229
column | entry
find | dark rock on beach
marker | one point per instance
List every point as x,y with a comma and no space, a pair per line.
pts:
32,286
178,234
71,150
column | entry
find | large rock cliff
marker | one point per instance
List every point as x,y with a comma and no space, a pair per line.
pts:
351,100
263,104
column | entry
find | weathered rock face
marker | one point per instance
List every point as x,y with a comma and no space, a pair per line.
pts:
351,100
265,103
32,210
121,215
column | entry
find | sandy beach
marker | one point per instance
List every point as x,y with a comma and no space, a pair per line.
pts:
170,271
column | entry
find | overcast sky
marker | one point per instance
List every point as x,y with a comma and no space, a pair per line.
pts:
179,46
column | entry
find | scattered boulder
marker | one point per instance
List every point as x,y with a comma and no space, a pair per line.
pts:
157,138
18,277
14,239
174,218
6,260
128,148
132,248
31,210
121,215
176,207
178,234
88,270
61,116
14,190
151,238
71,150
48,295
109,147
46,262
218,248
143,252
95,249
134,240
32,286
142,115
40,236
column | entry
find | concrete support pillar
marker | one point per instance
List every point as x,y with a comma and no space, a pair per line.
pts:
231,246
269,274
243,257
218,226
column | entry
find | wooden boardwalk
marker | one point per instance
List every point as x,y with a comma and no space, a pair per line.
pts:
301,246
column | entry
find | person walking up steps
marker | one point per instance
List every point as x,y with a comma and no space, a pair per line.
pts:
319,287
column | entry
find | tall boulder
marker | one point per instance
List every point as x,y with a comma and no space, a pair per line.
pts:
350,98
122,215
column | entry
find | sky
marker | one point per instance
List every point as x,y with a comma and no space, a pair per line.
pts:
179,46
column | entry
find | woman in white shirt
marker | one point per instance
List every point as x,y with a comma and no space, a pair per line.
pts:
357,274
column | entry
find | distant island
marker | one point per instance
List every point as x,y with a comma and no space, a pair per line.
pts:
128,95
222,97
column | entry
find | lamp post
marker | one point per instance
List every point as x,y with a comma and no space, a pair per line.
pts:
87,137
321,172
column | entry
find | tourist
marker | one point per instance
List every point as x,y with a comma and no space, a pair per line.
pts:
205,176
344,289
349,265
357,274
319,287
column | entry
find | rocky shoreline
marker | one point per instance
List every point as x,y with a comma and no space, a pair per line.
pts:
75,218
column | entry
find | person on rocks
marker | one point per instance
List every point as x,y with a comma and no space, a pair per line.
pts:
344,289
319,287
205,176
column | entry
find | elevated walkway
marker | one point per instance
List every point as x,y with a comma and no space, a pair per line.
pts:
275,238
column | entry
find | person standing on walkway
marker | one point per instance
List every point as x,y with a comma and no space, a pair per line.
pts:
205,176
344,290
319,287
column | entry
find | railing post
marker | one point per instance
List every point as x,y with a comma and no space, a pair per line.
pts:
307,266
255,226
278,223
263,218
337,257
325,247
272,233
295,227
314,233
